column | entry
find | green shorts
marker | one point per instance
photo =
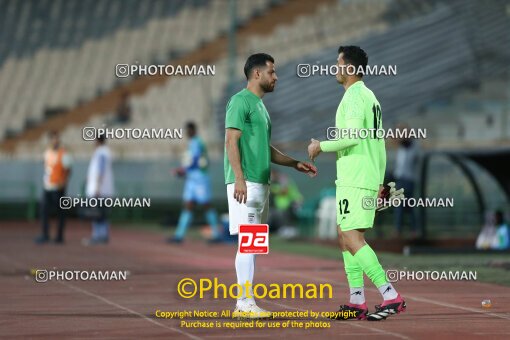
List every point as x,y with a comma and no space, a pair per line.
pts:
355,208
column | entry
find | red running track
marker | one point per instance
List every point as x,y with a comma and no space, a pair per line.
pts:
126,309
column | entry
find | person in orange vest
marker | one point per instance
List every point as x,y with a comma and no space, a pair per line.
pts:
57,170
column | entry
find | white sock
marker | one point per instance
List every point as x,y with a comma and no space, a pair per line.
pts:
357,296
388,292
245,269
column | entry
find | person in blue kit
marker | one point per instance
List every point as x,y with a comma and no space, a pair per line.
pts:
197,186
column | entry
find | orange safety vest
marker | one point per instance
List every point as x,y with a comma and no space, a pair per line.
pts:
55,171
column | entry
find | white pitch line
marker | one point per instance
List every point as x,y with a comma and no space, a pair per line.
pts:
111,303
381,331
410,297
285,306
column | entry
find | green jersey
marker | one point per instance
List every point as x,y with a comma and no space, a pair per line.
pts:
246,112
360,162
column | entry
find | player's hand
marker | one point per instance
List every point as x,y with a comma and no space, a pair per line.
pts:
307,168
179,172
314,149
240,191
389,193
383,192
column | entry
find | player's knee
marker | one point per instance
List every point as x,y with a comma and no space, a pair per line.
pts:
350,247
254,203
254,209
350,243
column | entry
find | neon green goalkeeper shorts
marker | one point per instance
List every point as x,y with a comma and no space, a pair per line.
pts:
355,208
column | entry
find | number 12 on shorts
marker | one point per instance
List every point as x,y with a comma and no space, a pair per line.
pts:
343,205
253,238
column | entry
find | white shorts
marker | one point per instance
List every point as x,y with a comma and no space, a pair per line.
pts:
254,211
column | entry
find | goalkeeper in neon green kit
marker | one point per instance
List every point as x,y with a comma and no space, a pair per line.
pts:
361,164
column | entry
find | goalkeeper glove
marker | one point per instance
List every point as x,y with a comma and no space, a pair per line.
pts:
389,194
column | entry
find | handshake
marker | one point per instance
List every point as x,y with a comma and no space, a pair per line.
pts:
387,194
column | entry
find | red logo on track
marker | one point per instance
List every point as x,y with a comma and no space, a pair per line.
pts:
254,238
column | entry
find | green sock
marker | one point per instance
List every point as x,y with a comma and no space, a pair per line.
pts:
367,259
353,270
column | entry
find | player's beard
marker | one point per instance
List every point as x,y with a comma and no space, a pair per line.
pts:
340,79
267,86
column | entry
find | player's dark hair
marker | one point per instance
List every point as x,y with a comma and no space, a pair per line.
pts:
355,56
191,125
256,60
101,138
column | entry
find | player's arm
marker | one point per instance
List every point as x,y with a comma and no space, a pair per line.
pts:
382,162
278,157
234,157
232,137
196,153
237,113
383,192
387,192
100,176
315,147
354,118
344,143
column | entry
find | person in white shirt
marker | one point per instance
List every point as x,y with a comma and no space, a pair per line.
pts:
100,184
